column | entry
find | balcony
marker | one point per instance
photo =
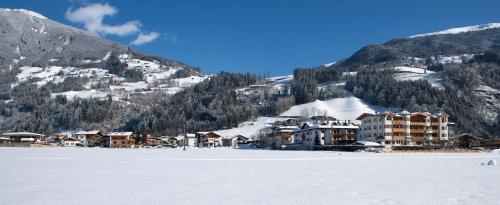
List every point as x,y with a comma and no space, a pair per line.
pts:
416,131
398,130
417,123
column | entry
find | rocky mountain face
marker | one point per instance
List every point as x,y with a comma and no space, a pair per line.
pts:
31,39
423,48
45,64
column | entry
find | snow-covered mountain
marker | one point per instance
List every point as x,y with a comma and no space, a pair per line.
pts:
41,51
461,30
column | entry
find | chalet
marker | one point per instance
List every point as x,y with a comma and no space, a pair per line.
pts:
121,140
89,138
235,141
70,142
208,139
63,135
22,139
281,135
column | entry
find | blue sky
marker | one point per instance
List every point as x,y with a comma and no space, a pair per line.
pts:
269,36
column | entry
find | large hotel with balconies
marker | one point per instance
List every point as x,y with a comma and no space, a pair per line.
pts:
404,128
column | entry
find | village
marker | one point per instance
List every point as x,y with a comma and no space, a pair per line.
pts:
388,131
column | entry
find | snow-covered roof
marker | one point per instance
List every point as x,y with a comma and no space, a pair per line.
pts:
120,133
22,134
93,132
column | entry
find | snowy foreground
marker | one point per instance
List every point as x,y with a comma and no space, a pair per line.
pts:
226,176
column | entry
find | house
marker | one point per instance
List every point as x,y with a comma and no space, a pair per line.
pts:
235,141
405,128
21,139
208,139
89,138
70,142
121,140
191,140
281,135
325,133
153,141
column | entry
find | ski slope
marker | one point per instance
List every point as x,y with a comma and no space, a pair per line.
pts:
348,108
77,176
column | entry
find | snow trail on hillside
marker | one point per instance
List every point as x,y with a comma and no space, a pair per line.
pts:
461,30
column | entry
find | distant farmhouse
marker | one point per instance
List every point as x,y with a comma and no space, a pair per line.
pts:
121,140
208,139
89,138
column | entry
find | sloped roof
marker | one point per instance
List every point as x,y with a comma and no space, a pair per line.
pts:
22,134
119,134
92,132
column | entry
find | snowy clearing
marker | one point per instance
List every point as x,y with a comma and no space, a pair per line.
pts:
226,176
411,73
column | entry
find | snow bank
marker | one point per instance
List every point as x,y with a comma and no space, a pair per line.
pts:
348,108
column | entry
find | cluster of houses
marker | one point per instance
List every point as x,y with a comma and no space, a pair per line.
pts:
96,138
388,130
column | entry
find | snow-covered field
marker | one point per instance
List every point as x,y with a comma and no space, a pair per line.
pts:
225,176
